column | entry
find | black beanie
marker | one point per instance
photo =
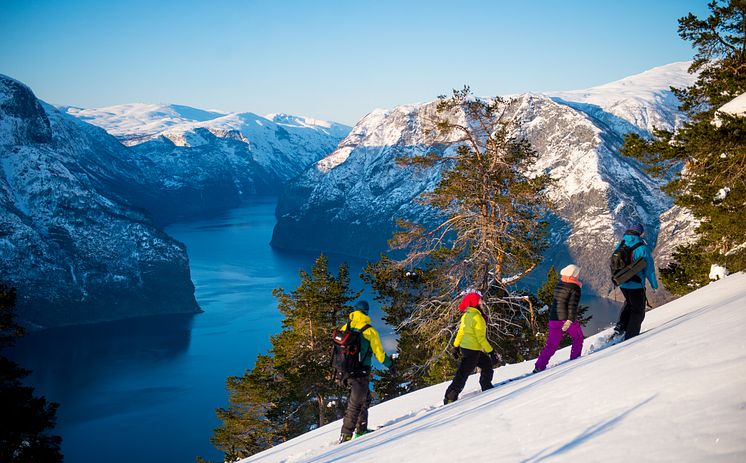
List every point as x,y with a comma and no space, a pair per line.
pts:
363,307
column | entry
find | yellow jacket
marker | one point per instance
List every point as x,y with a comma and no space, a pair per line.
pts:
370,342
472,333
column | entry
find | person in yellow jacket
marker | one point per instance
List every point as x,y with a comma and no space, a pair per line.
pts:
356,415
475,351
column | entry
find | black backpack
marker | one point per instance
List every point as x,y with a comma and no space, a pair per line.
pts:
346,355
622,267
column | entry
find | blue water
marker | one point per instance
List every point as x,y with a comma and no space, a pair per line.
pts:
146,390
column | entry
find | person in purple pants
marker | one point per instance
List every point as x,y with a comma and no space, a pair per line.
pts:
563,317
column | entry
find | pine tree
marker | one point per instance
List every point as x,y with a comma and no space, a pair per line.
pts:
711,148
25,419
489,234
545,293
290,390
399,291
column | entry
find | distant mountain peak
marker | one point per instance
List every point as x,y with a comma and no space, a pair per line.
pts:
641,102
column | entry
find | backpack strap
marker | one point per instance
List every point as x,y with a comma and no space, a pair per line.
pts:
361,331
636,278
637,245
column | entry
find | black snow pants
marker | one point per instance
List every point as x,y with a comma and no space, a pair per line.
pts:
469,360
356,415
633,312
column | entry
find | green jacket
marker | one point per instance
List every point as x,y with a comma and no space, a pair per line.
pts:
370,342
472,333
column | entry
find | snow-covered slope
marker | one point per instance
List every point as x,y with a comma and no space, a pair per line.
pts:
735,107
350,199
72,241
638,103
135,122
676,393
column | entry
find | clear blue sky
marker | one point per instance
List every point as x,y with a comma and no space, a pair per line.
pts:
334,60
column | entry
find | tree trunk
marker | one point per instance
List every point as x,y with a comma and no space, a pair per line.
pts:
322,407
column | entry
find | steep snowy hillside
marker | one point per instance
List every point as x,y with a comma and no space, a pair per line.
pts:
675,393
71,241
637,103
256,154
347,203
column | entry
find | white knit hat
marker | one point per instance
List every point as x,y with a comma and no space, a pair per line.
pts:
571,270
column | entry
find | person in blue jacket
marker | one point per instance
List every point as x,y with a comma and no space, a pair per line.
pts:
633,310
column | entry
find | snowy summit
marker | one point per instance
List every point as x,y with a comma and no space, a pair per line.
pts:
675,393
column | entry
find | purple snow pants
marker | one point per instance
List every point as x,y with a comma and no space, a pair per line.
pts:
553,340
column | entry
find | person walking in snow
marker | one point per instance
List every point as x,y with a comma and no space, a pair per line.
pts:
474,350
633,310
563,317
356,415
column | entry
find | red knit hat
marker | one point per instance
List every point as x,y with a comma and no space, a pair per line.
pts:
470,300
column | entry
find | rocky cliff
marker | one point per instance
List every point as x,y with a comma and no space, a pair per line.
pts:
72,240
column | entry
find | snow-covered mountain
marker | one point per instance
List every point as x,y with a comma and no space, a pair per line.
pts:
136,122
72,240
215,158
638,103
348,201
675,393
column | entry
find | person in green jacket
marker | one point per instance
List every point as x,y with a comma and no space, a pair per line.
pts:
356,415
475,351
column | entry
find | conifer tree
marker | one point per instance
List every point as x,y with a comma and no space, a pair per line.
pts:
290,390
545,293
399,291
489,234
709,151
25,419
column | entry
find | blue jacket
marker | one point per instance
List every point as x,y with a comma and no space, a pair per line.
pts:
642,251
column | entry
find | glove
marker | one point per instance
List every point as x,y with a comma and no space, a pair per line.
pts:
566,326
392,370
456,353
493,359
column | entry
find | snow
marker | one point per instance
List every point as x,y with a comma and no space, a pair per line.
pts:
722,194
736,249
642,100
284,145
137,120
333,160
675,393
332,128
736,106
718,272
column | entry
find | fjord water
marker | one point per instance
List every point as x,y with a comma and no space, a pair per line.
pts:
145,390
